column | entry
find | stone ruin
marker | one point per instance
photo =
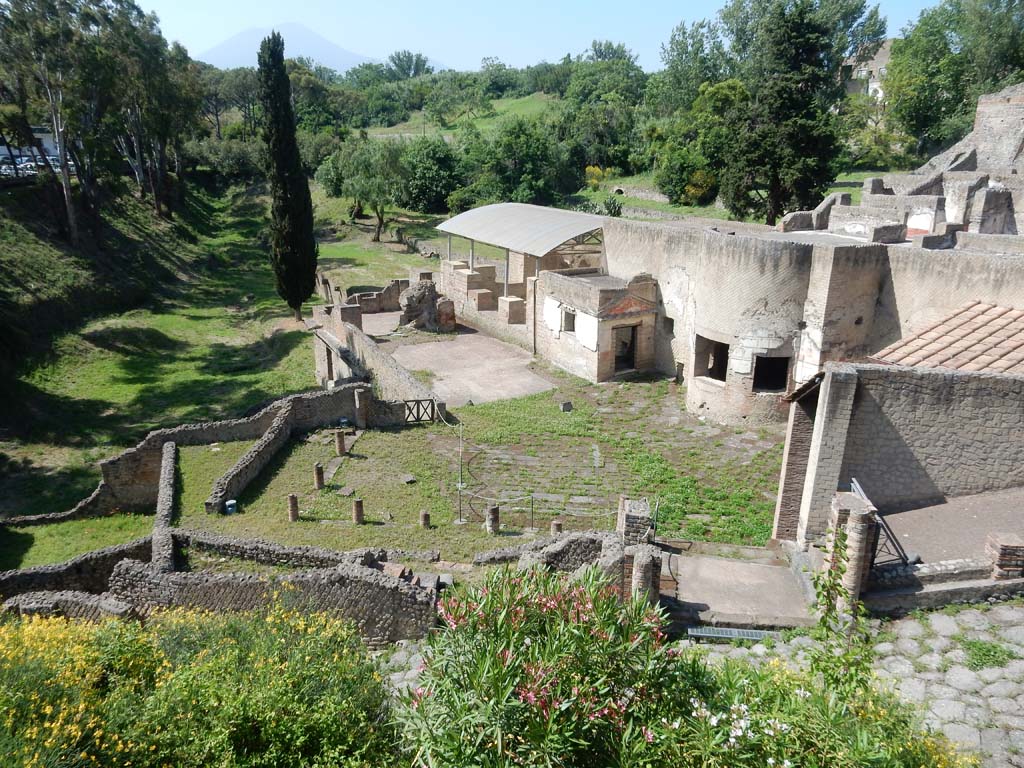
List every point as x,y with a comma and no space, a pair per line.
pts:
423,307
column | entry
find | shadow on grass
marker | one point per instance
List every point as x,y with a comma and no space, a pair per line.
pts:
261,355
29,489
13,547
33,415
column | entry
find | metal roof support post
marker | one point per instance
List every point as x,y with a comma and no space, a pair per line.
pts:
449,247
472,254
506,273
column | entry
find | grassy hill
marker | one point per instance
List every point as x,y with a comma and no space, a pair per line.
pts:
418,124
197,332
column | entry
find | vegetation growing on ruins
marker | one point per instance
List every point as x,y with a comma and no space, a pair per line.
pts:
280,687
528,666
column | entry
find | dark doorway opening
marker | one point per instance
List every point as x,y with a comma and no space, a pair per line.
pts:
330,363
625,348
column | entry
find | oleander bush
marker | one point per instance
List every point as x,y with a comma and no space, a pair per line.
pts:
271,688
533,669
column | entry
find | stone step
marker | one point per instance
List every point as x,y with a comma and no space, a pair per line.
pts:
905,599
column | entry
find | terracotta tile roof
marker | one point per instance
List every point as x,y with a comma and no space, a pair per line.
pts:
978,337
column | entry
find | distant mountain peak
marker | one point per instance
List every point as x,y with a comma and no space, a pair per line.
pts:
299,40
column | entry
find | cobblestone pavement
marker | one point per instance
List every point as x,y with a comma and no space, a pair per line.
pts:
925,659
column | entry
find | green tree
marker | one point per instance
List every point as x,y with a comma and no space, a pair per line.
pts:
293,246
852,29
242,90
41,37
370,171
404,65
695,55
955,52
786,140
431,173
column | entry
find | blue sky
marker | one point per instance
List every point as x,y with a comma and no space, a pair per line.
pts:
459,34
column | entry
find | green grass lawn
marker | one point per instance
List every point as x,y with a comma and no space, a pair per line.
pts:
844,179
46,544
215,346
418,124
646,181
709,483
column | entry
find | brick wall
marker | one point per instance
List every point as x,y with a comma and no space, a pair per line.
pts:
391,381
825,456
794,467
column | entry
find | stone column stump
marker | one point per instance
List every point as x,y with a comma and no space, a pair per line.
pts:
357,511
493,525
424,519
339,443
556,527
318,476
293,508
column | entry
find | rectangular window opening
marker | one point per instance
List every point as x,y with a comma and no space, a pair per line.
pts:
771,374
568,321
711,358
668,325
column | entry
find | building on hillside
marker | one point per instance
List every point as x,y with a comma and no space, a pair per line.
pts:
42,135
867,76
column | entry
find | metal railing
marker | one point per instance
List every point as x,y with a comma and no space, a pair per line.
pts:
885,547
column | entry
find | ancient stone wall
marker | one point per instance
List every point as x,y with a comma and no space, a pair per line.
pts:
100,502
163,542
86,573
384,608
766,280
246,469
391,381
917,435
568,553
269,553
69,604
920,287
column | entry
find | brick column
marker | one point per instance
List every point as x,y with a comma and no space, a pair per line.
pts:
825,457
858,553
799,433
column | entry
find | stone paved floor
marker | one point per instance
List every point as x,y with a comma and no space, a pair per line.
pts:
925,530
982,710
923,658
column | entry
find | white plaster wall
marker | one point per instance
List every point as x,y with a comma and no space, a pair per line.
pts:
552,315
586,330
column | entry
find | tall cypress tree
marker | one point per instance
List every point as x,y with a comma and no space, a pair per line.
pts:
293,247
786,139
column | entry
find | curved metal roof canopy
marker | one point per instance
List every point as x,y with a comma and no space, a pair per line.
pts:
531,229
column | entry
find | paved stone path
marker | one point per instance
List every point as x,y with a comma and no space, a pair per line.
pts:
922,657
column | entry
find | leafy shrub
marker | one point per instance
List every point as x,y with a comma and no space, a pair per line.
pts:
276,688
233,159
594,176
612,206
683,176
531,669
